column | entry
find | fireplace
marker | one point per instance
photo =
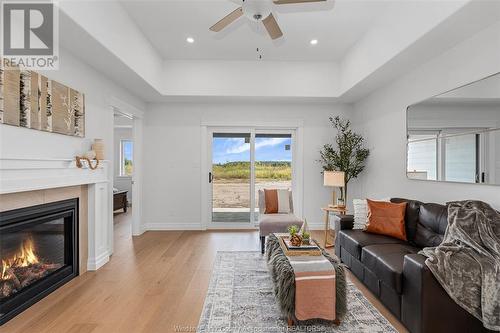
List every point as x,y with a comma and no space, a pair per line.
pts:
38,253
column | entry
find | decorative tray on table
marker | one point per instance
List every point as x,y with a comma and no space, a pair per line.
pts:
311,249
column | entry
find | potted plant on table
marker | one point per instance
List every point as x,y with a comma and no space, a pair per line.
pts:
347,155
295,238
306,238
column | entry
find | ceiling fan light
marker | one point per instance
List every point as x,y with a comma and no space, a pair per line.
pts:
313,41
190,40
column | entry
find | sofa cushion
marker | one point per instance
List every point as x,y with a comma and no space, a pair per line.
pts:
354,240
386,262
273,223
432,223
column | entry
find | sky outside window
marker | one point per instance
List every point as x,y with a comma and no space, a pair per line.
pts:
127,151
236,150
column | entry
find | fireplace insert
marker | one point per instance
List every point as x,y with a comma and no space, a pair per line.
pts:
38,253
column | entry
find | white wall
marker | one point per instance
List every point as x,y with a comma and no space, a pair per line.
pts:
251,78
381,118
172,155
121,182
110,25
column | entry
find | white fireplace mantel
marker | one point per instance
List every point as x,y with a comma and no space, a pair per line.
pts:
25,174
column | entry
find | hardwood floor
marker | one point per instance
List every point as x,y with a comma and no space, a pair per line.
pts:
154,283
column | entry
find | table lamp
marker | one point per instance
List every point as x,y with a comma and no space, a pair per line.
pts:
334,179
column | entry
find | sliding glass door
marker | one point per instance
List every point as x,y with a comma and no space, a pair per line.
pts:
230,177
242,162
273,163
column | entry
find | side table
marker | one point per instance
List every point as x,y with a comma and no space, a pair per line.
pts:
328,210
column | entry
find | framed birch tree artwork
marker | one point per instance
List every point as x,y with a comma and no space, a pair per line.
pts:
31,100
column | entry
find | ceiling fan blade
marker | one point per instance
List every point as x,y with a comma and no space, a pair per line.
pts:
227,20
284,2
272,27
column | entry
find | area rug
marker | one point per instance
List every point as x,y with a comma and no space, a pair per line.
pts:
240,298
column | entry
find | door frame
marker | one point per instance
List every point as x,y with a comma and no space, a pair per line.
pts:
118,106
207,128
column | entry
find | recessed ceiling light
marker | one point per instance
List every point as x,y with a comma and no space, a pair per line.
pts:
190,40
313,41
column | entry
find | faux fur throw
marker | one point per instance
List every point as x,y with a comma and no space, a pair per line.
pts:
284,280
467,262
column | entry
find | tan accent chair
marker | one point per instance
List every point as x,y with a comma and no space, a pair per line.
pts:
274,223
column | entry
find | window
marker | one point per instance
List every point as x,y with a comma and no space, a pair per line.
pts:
446,154
460,158
126,158
422,156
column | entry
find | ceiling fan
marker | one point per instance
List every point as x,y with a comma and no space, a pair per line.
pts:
258,10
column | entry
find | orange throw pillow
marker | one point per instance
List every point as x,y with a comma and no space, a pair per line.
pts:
271,197
386,218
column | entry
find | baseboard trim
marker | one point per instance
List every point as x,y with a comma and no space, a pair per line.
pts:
199,226
172,226
95,264
142,229
230,226
317,226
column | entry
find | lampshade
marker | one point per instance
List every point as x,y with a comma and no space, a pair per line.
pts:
334,178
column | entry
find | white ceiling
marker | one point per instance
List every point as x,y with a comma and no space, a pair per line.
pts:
337,25
372,43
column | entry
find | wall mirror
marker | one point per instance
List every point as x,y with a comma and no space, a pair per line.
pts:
455,136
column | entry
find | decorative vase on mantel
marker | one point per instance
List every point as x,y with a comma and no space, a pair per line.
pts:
98,147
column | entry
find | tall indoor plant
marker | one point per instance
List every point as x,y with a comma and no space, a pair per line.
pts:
347,155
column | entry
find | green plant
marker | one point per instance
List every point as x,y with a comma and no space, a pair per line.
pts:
293,230
276,170
306,235
348,154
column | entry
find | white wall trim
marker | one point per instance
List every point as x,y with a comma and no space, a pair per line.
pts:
204,177
137,115
298,170
96,263
173,226
98,221
124,107
137,177
284,124
233,226
30,174
318,225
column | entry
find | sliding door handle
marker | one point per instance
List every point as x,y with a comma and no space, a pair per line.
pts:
210,177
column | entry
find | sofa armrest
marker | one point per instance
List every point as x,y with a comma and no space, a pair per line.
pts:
425,305
341,222
419,293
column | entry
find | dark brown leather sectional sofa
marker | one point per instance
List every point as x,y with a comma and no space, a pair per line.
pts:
394,271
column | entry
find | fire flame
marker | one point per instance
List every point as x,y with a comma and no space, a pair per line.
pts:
25,257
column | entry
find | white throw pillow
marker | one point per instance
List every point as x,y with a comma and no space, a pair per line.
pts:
283,201
361,212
